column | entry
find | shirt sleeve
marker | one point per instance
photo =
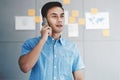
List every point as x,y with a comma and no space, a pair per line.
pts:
78,61
26,48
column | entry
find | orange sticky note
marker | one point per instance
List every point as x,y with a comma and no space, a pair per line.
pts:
81,21
37,19
75,13
66,1
71,20
94,10
106,33
31,12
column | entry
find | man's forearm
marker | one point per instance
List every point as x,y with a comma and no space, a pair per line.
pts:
78,75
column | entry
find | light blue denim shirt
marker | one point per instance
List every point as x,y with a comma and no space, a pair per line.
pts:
57,61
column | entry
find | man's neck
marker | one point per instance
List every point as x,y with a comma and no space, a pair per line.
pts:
56,35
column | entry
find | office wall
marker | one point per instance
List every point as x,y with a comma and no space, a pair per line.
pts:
100,54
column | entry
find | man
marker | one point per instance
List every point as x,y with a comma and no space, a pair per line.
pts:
50,57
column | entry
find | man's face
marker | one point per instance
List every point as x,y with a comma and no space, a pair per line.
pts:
55,17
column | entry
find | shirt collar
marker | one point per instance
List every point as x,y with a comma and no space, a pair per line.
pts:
60,40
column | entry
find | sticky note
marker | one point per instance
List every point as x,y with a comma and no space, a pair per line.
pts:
66,1
81,21
71,20
37,19
75,13
94,10
106,32
31,12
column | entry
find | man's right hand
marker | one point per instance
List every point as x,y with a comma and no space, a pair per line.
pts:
45,32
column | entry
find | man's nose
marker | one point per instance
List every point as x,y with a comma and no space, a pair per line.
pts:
59,19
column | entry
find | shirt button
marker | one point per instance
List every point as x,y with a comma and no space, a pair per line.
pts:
54,66
54,45
53,39
55,56
54,78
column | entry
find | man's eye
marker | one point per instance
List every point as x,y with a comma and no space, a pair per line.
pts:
62,16
54,16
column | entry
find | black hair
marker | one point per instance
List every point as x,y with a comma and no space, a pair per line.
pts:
48,6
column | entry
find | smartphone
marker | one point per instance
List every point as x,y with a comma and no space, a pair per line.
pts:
44,22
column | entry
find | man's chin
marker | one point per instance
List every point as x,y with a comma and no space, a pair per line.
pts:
58,31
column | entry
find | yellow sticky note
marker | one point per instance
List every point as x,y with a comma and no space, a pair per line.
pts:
31,12
75,13
106,33
94,10
66,1
71,20
81,21
37,19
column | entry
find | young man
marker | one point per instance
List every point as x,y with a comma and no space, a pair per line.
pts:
50,57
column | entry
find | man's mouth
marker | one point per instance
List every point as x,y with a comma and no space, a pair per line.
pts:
59,25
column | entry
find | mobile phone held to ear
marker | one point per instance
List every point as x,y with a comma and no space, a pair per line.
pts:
44,22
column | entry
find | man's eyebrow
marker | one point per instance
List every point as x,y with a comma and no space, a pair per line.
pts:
56,14
53,14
